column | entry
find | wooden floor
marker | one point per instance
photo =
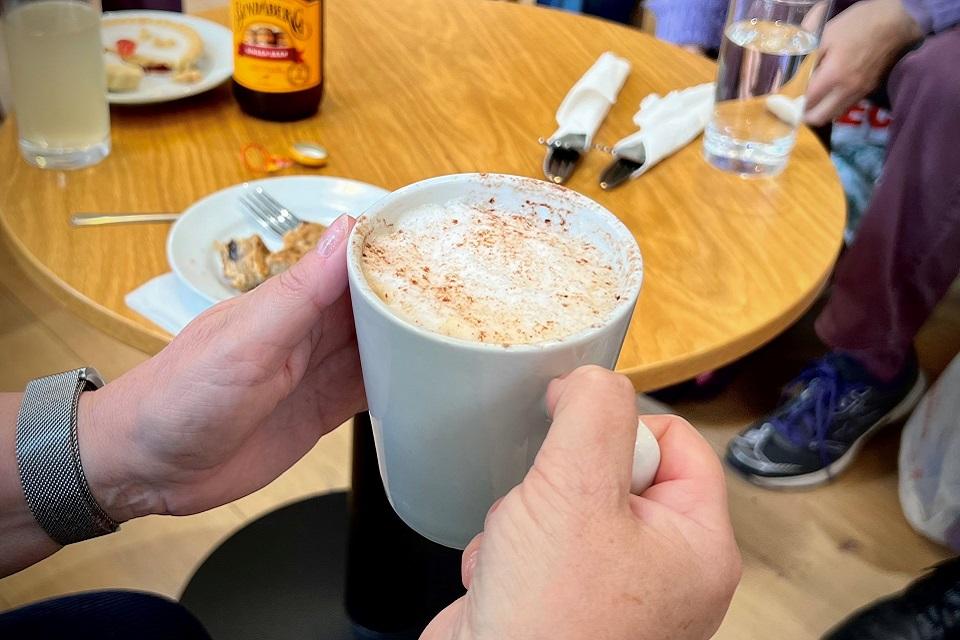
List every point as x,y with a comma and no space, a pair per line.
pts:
809,558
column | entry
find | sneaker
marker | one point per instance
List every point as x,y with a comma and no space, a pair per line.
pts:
928,609
825,416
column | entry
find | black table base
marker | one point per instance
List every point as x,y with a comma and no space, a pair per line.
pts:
339,566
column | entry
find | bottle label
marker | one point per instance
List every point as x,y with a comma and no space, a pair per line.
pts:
277,44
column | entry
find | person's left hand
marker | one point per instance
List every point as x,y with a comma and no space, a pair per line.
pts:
858,47
241,394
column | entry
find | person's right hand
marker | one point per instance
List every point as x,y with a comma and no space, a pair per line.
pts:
569,553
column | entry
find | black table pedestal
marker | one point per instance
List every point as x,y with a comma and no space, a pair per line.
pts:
339,566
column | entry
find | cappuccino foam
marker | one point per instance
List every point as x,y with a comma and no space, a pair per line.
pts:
474,272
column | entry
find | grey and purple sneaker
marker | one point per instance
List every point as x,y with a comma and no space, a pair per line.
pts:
825,416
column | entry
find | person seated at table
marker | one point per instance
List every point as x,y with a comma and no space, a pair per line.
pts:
251,385
907,250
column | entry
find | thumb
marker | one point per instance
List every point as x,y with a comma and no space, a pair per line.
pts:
282,311
594,430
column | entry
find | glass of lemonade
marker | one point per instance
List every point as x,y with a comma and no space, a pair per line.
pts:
59,82
766,59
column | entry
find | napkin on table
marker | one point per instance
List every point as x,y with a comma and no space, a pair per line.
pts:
589,100
789,110
667,124
167,302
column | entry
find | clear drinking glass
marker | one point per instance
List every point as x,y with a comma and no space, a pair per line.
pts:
767,56
59,82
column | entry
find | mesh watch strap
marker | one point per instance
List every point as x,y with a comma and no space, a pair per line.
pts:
48,458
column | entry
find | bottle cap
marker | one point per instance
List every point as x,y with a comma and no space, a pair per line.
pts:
308,154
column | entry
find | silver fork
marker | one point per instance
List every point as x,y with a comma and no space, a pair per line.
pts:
268,213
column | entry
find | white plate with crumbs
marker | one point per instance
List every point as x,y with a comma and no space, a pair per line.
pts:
191,244
184,55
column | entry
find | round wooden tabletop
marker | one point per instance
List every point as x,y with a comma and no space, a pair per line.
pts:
418,88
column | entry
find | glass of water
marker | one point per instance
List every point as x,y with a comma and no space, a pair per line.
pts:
768,53
59,83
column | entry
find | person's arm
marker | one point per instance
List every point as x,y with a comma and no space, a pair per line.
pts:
239,396
22,541
692,23
934,16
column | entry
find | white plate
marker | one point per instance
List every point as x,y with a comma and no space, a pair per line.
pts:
218,217
216,63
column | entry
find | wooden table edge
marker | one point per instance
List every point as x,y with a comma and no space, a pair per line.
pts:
148,339
152,340
662,374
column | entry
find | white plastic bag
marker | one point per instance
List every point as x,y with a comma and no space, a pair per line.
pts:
930,462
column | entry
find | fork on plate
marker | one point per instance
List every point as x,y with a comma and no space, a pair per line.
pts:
267,211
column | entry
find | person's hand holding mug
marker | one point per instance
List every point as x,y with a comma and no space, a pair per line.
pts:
570,553
241,394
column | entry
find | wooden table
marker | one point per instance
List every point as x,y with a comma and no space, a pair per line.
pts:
418,88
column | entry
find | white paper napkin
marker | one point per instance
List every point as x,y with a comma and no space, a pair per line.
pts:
167,302
667,124
587,103
790,110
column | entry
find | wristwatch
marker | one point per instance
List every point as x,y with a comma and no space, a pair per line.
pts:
48,458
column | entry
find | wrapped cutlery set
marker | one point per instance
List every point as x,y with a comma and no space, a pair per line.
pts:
666,124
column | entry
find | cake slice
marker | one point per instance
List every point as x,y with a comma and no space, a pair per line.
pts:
153,44
122,76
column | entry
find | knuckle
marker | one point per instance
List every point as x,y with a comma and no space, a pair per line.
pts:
562,484
680,420
291,284
208,324
623,383
592,373
595,375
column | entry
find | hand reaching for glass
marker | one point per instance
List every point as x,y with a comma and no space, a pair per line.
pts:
858,47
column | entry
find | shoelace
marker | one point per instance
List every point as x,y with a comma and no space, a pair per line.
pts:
809,416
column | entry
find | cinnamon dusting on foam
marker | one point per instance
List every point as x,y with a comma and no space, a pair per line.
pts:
475,272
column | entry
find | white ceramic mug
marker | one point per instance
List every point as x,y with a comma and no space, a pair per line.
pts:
457,423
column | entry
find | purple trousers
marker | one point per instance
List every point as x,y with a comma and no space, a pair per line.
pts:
907,250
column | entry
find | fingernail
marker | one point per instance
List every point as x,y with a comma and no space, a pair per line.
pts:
332,237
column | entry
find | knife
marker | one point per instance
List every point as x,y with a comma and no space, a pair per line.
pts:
98,219
619,171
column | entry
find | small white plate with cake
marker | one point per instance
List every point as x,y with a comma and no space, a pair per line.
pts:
215,231
157,56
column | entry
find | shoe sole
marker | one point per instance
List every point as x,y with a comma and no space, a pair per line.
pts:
822,476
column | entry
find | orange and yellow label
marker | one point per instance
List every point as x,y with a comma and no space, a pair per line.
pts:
276,44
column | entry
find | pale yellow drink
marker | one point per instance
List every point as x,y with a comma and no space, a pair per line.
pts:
59,84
